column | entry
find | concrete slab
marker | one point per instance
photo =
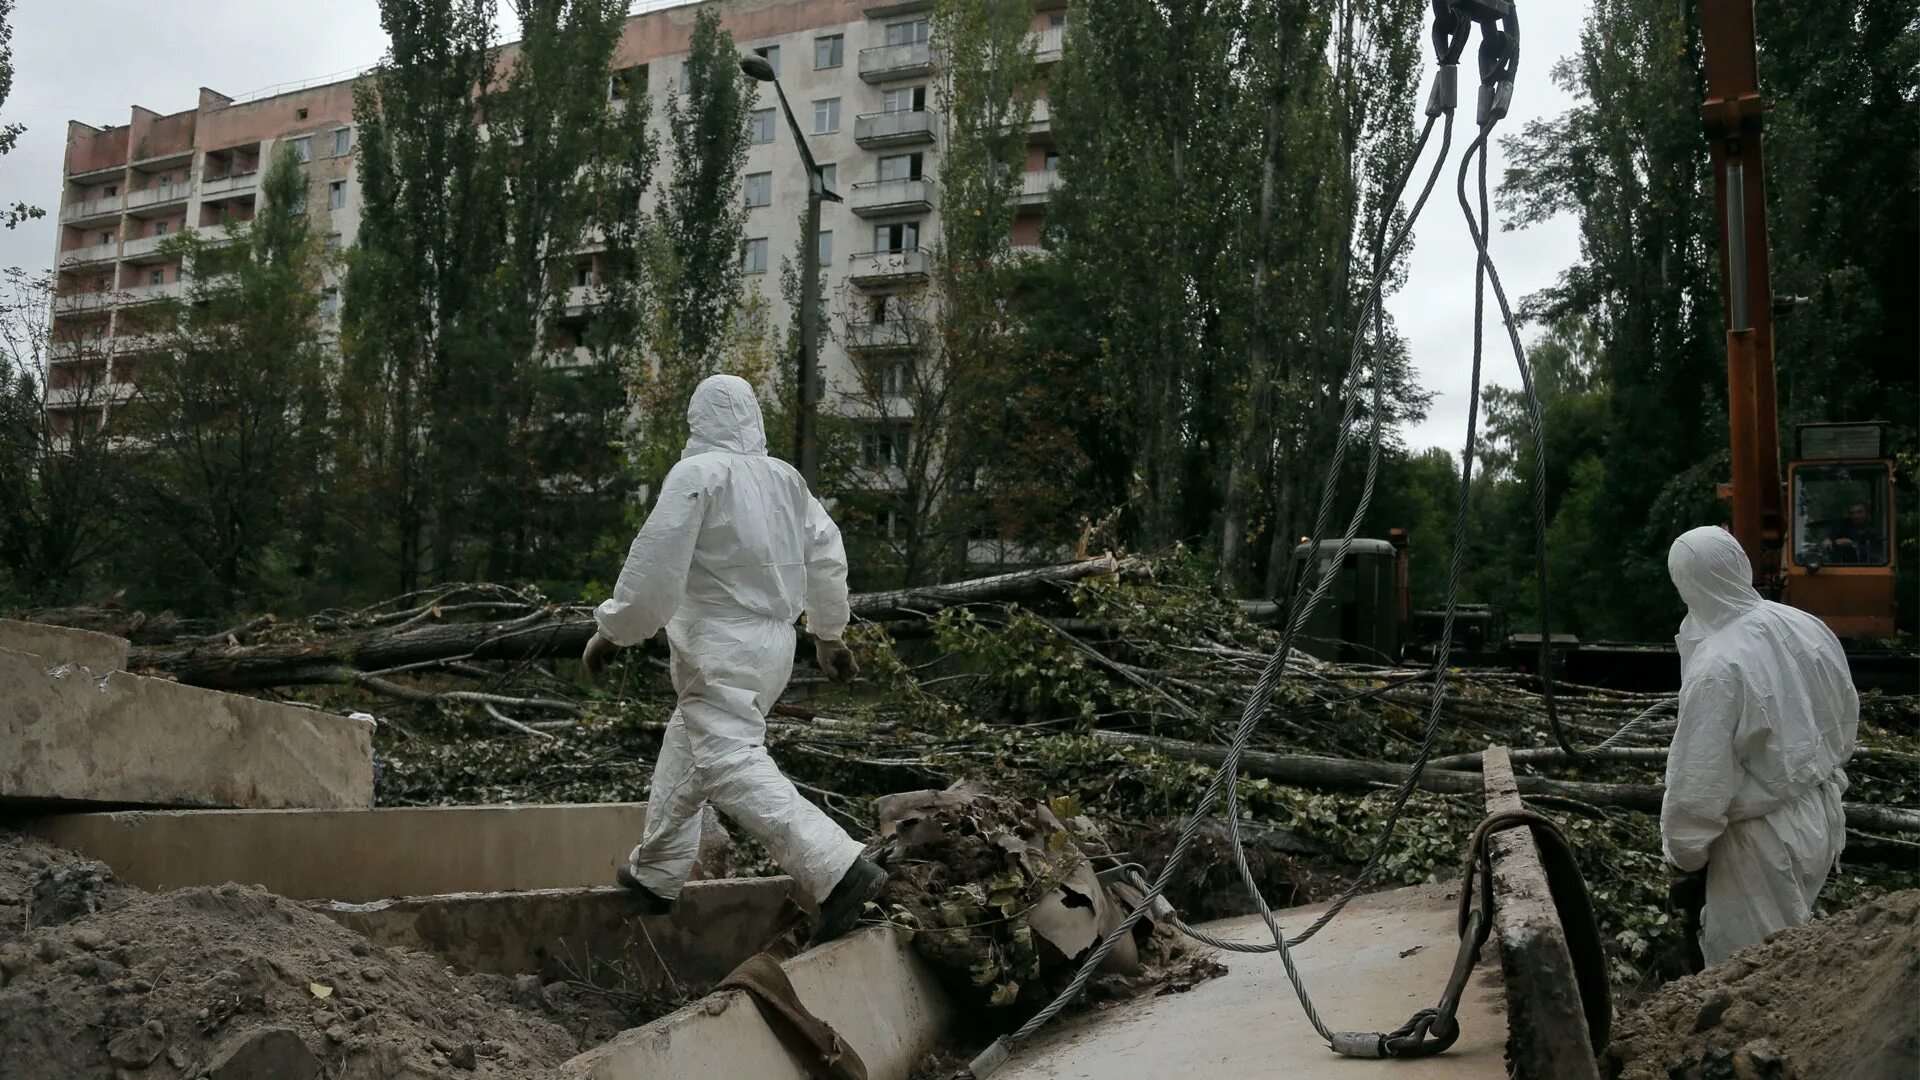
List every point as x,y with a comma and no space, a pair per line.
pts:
99,653
359,855
869,986
1383,959
596,934
1548,1037
128,741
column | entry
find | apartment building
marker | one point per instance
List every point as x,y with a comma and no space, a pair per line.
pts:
859,78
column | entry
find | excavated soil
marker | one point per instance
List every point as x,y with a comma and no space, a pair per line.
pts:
1837,999
98,979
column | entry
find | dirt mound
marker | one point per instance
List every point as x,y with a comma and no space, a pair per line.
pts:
1837,998
101,980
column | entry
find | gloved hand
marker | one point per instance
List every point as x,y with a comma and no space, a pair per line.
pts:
1686,889
835,659
598,652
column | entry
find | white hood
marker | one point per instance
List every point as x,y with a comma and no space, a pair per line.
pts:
724,415
1713,576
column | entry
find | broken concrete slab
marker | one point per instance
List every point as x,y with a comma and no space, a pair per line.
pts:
98,653
1384,958
581,933
870,986
1547,1028
358,855
125,740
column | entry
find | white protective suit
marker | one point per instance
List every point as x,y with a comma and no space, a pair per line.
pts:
1768,714
734,550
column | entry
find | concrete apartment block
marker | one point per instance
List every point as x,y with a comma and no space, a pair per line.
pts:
120,739
98,653
858,73
869,986
359,855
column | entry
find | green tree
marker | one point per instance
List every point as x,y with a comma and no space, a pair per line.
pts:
232,414
62,479
10,133
416,304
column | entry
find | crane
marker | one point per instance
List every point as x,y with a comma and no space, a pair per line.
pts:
1823,540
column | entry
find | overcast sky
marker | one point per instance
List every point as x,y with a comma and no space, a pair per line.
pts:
91,62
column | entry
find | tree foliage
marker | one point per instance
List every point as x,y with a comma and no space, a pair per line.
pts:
11,216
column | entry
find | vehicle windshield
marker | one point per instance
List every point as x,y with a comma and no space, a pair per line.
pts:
1840,515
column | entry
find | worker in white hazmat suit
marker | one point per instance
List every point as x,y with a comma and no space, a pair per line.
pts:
1768,715
734,550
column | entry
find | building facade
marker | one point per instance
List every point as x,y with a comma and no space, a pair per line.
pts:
859,76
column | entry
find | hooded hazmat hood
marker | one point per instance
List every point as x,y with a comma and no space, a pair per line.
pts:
724,415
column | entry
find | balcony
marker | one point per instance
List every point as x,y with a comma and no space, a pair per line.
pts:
875,130
1041,122
149,294
880,338
1037,186
158,195
888,62
876,198
886,9
75,302
83,255
1047,43
145,248
105,207
92,395
229,184
888,267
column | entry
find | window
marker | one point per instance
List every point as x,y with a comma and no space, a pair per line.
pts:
829,51
626,81
329,304
303,148
299,114
753,255
759,187
337,194
157,277
159,228
1052,161
904,99
772,55
1840,515
333,241
900,167
583,275
884,446
908,33
1057,20
686,79
889,308
900,236
826,116
762,125
342,141
830,177
106,238
112,190
893,381
826,248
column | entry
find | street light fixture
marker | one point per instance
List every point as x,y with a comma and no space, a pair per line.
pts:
806,406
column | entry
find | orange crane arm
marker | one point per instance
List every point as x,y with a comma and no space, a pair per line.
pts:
1732,113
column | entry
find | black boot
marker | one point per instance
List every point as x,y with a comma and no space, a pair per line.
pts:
840,911
651,903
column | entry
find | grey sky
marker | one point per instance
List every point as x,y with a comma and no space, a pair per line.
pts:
93,63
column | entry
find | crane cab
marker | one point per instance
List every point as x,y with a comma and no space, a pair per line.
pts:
1840,543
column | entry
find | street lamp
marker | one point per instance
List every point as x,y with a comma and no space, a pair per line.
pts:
806,406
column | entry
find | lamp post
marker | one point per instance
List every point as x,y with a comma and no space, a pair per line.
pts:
806,441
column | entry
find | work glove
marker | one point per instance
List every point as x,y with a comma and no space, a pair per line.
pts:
1686,889
599,651
835,659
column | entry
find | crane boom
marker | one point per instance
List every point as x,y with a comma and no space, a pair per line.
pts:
1732,112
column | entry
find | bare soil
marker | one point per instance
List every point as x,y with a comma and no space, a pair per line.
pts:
1836,999
98,979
